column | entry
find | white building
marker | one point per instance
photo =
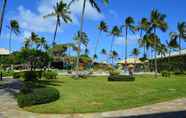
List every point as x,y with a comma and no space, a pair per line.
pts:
4,51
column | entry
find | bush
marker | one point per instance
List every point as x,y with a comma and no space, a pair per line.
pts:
165,74
179,72
7,73
17,75
114,72
32,75
50,75
38,96
120,78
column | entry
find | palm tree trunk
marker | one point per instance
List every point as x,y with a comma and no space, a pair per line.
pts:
111,48
180,45
126,44
97,42
81,30
2,15
155,55
10,39
55,33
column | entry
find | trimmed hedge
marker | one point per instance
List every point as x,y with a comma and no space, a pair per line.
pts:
165,74
35,75
120,78
50,75
38,96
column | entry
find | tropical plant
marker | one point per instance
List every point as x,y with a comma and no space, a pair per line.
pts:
129,26
102,27
14,28
2,14
113,56
61,11
157,21
180,35
116,32
135,53
143,27
94,4
104,53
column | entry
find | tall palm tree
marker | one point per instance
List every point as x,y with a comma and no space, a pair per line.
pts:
2,14
116,32
129,26
61,11
143,27
94,5
181,33
135,53
113,55
157,22
14,28
103,52
102,27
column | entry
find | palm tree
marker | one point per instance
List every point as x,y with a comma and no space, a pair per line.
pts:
129,26
2,14
14,28
135,52
181,34
61,11
116,32
94,5
157,21
143,27
113,55
102,27
103,52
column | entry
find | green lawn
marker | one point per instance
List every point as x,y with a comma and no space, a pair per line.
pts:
96,94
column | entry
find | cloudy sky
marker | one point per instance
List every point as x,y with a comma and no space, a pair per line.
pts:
30,14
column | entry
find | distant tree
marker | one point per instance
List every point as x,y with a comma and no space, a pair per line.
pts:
116,32
129,26
14,28
61,11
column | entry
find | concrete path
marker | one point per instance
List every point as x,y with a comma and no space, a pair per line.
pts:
170,109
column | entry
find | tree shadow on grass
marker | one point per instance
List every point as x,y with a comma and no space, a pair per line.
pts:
50,82
176,114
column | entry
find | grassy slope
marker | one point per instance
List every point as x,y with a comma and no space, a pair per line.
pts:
96,94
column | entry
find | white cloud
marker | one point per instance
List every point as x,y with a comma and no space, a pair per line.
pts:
34,21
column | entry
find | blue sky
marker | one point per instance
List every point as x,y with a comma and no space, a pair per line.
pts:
29,14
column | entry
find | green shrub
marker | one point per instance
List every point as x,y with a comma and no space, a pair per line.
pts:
38,96
7,73
17,75
165,74
50,75
114,72
32,75
120,78
179,72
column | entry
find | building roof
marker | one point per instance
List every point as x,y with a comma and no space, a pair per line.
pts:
174,53
130,61
4,51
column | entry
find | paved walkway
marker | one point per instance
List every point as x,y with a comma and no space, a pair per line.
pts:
170,109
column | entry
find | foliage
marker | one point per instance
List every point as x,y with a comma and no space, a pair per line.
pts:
165,74
38,96
50,75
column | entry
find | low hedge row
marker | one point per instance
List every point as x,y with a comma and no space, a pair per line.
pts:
120,78
35,75
38,96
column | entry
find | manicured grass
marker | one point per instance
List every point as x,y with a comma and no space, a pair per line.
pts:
96,94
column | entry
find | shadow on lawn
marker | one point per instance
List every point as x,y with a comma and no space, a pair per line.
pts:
50,82
177,114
